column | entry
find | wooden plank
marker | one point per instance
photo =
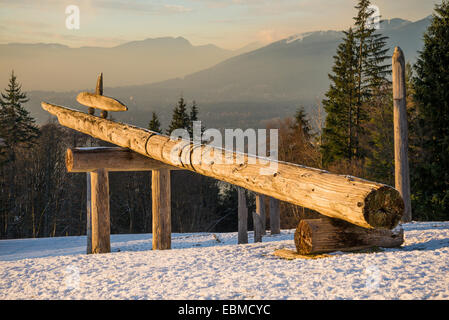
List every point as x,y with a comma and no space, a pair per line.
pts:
161,200
314,236
89,214
100,102
292,255
402,173
112,159
101,225
361,202
242,217
275,218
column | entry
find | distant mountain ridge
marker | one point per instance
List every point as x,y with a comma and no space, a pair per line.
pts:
145,61
251,88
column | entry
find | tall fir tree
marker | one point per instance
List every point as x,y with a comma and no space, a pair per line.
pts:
155,124
17,127
359,91
193,116
340,103
180,117
430,178
372,71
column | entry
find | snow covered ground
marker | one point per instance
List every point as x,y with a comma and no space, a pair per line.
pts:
213,266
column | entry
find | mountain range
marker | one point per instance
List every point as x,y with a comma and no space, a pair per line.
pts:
236,89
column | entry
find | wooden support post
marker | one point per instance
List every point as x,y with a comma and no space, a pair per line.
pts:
402,174
101,225
258,217
326,235
263,212
161,209
89,214
275,219
243,217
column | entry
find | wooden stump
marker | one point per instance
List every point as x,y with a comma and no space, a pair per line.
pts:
242,217
101,226
326,235
161,209
275,219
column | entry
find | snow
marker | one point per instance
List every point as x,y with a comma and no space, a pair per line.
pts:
213,266
298,37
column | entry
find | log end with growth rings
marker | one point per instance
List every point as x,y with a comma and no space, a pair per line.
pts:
383,208
303,238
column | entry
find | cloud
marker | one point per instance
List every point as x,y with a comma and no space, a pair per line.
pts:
176,8
141,6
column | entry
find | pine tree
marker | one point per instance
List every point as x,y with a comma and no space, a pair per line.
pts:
17,127
430,181
155,124
180,118
338,135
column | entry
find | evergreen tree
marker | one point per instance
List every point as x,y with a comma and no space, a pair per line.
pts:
155,124
359,95
303,124
180,118
430,181
17,127
341,99
194,117
372,71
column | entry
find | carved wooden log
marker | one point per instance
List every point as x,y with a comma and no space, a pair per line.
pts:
242,217
364,203
111,159
327,235
402,173
101,225
100,102
161,209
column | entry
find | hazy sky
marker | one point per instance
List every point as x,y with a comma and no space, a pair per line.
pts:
226,23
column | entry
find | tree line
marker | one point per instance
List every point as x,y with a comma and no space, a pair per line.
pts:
357,137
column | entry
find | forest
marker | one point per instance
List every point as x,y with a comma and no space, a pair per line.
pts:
39,198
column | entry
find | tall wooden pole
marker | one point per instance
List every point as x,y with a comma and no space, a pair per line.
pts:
258,218
243,217
89,214
275,219
402,174
101,225
161,209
